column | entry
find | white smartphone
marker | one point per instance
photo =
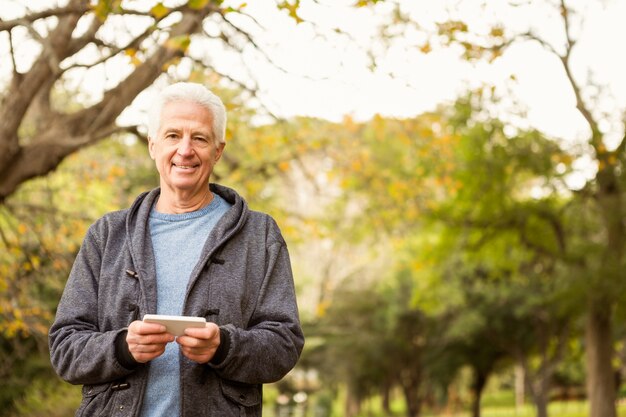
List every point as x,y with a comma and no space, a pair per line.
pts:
175,325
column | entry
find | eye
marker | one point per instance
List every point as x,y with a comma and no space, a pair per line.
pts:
201,140
171,136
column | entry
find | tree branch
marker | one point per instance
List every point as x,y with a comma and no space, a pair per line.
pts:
28,19
89,125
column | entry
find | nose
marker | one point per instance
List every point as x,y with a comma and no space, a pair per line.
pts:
185,147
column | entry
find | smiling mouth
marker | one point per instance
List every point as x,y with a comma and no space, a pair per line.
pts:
185,166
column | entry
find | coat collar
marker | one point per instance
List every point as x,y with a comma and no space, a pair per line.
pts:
140,243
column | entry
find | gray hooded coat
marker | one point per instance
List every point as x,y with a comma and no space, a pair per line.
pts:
243,283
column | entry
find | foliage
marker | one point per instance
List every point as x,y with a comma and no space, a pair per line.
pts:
435,244
480,221
75,66
42,227
600,201
452,230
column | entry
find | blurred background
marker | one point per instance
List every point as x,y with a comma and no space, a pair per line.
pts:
449,177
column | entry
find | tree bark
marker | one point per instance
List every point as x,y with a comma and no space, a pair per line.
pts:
542,405
598,332
519,386
480,381
540,391
602,288
410,388
599,350
386,395
353,404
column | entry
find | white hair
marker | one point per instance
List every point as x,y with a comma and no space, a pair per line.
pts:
193,92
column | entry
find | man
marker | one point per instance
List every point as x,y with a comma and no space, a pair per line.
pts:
186,248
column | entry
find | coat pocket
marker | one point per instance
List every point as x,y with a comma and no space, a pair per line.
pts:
247,397
96,398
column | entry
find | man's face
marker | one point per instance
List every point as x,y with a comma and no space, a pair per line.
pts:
184,150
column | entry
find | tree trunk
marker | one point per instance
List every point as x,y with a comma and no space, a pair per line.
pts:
353,404
541,402
386,403
480,380
410,388
412,403
519,386
540,393
598,333
600,379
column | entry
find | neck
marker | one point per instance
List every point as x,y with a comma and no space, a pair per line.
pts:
171,202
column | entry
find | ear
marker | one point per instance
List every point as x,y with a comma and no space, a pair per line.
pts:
151,147
219,151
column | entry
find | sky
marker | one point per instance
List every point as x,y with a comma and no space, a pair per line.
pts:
328,75
343,84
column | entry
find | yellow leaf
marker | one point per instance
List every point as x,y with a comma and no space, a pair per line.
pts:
173,61
35,261
58,265
136,61
197,4
159,11
283,166
321,308
292,9
22,229
180,42
497,32
103,8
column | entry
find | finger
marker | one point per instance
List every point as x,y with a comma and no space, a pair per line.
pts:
149,328
198,355
143,357
209,332
147,347
150,339
145,353
189,342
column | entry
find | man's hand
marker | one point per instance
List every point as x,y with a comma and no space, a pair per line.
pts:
200,344
147,341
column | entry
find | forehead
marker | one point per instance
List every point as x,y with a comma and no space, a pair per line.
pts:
185,114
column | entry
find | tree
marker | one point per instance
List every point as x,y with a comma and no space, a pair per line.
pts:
46,113
605,145
478,218
41,227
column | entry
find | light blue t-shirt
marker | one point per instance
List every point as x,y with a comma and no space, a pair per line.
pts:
177,240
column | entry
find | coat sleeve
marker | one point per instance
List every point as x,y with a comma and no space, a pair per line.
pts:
80,352
270,347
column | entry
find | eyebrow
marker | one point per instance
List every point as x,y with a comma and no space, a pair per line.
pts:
207,133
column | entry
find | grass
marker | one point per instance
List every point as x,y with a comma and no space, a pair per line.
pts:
499,404
555,409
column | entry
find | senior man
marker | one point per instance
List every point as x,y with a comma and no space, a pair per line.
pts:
186,248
